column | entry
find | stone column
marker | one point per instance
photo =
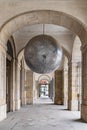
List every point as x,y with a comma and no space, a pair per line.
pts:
65,86
38,89
17,88
73,86
34,88
13,84
29,87
51,89
84,84
58,99
2,82
23,91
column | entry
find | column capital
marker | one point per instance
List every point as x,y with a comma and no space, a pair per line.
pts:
60,70
17,63
23,68
83,48
74,62
65,70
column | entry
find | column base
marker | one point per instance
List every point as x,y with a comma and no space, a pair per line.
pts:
29,101
17,105
3,112
23,101
58,102
65,102
84,112
13,106
73,105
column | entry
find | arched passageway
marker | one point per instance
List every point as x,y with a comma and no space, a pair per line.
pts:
37,17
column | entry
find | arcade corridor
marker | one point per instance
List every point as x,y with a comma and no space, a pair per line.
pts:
43,64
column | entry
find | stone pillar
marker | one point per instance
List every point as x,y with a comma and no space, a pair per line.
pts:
29,87
58,99
51,89
65,86
13,84
23,91
34,88
84,84
73,86
38,89
17,87
2,82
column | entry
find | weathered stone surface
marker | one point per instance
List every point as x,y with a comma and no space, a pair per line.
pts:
29,87
73,86
58,99
65,82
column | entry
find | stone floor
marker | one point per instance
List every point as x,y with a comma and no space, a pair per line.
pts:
43,100
43,117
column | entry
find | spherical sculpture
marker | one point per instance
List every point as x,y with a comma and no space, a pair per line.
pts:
43,54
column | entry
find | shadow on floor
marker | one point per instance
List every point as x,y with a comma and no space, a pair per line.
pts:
79,120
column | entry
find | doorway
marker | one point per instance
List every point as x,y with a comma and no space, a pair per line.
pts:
8,83
9,75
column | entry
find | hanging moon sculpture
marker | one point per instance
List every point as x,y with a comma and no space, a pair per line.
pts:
43,54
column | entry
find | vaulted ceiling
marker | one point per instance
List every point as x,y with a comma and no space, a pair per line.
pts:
63,36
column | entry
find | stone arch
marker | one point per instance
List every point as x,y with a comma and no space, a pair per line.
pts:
11,39
10,74
76,52
20,55
47,17
43,16
44,77
66,53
